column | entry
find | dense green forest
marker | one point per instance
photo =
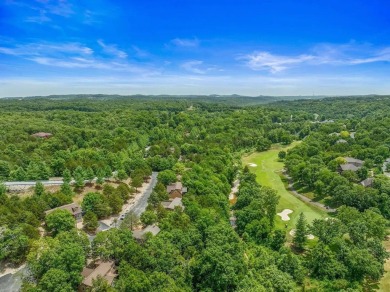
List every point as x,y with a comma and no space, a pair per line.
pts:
202,144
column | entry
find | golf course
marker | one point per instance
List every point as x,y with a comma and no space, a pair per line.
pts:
268,168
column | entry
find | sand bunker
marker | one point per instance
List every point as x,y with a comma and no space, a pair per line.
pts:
252,164
309,236
284,214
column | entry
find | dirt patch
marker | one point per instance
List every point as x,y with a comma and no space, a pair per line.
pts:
91,188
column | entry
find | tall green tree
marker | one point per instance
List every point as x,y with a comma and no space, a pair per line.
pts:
39,189
300,237
59,220
90,221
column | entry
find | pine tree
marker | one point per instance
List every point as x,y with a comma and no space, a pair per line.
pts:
65,187
300,233
39,189
79,177
66,176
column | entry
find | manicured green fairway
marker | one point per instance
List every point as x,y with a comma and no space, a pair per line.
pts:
267,171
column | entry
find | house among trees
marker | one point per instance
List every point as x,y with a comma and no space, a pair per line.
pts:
341,141
233,221
351,164
176,190
170,205
140,234
368,182
72,208
385,169
106,270
42,135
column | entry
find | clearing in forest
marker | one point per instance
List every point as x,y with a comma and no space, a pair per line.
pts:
268,172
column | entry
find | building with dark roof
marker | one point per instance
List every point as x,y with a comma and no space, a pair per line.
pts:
176,190
354,161
72,208
368,182
348,166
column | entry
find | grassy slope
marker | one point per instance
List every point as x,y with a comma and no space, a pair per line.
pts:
267,172
384,284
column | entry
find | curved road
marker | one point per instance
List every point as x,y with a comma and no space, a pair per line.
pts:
12,282
304,198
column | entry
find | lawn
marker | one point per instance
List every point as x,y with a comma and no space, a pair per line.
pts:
268,171
384,284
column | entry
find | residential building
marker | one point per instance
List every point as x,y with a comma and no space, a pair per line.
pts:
140,234
106,270
170,205
42,135
368,182
354,161
176,190
72,208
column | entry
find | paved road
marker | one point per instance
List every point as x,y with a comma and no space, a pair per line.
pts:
139,207
304,198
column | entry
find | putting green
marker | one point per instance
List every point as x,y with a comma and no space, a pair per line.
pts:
268,172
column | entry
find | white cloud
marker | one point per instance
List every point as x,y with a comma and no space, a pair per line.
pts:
140,53
323,54
197,67
93,63
112,50
76,56
46,49
193,67
57,7
273,63
185,42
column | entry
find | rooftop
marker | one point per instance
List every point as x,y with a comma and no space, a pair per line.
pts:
172,204
139,234
42,135
367,182
176,186
349,166
72,208
353,160
104,269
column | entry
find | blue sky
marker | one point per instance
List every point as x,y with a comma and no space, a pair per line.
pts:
194,47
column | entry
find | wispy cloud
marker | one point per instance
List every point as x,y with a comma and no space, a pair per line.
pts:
77,56
91,63
46,49
140,53
179,42
112,50
57,7
324,54
273,63
41,18
197,67
193,67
